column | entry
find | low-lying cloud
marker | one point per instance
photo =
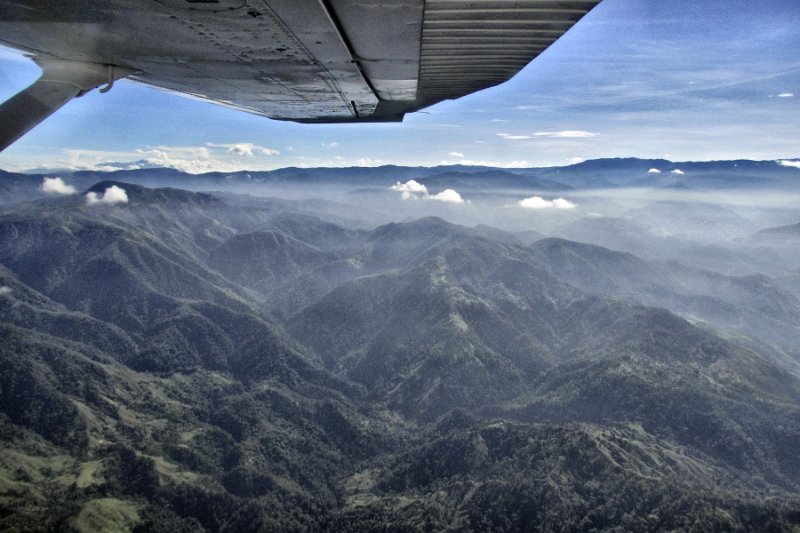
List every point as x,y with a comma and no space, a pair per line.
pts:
410,189
111,196
654,171
5,290
447,195
789,163
679,172
413,189
57,186
537,202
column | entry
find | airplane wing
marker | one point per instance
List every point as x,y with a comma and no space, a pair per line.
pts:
300,60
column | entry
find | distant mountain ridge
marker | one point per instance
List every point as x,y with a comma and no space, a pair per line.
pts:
592,174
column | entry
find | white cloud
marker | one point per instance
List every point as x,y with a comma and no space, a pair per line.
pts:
191,159
679,172
521,163
368,162
245,149
566,134
537,202
654,171
576,160
332,144
57,186
510,137
112,195
561,203
209,157
447,195
410,189
456,154
789,163
786,95
5,291
413,190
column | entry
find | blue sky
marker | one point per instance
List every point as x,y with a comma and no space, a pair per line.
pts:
683,80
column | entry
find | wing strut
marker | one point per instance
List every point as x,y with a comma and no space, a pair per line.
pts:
60,82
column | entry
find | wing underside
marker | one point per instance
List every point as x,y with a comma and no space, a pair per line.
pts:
300,60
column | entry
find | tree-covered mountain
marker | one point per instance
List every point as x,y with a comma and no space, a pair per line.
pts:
193,361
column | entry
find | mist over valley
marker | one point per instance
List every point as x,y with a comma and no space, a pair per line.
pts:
610,345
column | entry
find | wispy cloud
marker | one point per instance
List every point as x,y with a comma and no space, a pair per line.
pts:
786,95
517,163
510,137
111,196
332,144
456,154
57,186
566,134
537,202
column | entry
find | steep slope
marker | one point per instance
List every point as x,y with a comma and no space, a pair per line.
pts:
149,391
743,305
465,322
501,476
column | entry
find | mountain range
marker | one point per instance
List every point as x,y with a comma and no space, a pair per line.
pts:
187,361
593,174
